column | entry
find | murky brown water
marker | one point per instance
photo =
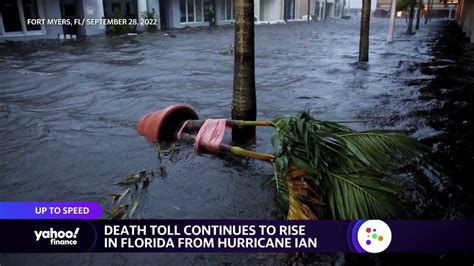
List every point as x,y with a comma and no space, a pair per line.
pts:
68,112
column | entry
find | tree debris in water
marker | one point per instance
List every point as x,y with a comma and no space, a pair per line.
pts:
119,212
325,169
126,202
227,51
132,179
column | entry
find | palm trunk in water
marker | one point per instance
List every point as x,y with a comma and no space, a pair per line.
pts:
430,7
343,7
411,16
427,14
244,103
364,32
418,16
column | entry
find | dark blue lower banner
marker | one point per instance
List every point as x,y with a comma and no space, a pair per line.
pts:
360,236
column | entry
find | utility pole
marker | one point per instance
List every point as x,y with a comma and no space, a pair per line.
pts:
391,25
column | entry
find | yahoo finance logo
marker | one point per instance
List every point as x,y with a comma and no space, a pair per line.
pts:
58,237
372,236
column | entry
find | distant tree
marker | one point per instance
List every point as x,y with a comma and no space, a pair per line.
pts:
402,5
244,102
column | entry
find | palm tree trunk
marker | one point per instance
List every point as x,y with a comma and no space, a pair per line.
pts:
364,32
309,7
430,7
427,14
244,102
411,16
343,7
325,6
391,27
418,16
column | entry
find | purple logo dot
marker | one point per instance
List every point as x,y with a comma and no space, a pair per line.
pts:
368,242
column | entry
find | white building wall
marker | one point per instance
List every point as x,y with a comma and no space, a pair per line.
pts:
52,9
92,9
270,10
257,9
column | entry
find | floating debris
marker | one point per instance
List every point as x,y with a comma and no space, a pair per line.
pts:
135,183
227,51
172,150
123,195
132,179
119,212
170,35
146,183
158,151
133,208
115,197
162,170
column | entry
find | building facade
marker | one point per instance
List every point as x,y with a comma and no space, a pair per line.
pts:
438,8
318,9
465,17
15,14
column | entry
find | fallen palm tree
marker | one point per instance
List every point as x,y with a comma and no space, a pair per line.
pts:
322,168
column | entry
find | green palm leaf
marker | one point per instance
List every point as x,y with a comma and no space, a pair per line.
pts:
360,197
347,169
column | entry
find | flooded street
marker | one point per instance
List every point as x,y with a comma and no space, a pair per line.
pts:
68,112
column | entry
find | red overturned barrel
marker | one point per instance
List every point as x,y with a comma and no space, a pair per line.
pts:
164,124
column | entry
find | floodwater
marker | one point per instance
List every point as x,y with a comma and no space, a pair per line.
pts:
68,112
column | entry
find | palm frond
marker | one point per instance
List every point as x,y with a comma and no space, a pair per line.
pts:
360,197
380,149
342,167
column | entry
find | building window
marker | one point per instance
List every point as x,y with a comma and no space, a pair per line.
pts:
191,11
10,16
290,13
227,10
15,15
30,11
